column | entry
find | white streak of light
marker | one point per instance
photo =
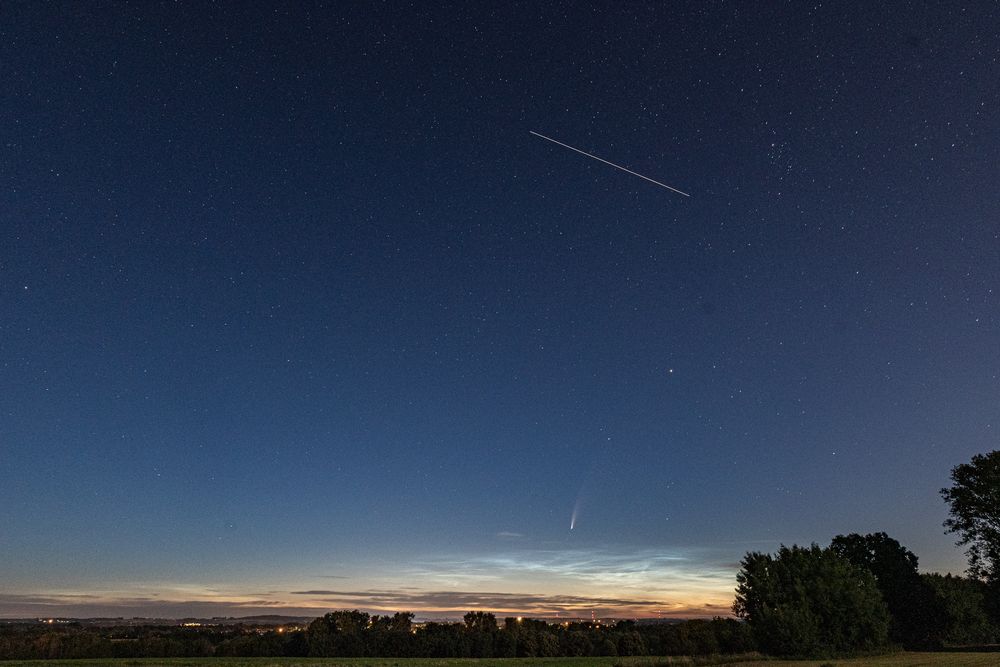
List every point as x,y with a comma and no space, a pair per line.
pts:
616,166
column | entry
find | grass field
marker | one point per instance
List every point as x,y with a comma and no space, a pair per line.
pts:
894,660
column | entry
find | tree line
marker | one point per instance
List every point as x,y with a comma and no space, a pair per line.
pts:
863,592
860,594
352,633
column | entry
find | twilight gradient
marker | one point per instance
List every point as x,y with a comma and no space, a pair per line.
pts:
295,314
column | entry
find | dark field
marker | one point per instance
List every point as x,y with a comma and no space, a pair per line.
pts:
895,660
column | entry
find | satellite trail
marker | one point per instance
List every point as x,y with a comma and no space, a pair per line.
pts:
616,166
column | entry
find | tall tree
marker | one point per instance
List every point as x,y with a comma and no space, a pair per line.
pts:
338,633
974,498
479,621
917,616
481,628
810,601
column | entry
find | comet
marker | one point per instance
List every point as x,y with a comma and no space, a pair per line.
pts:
616,166
576,509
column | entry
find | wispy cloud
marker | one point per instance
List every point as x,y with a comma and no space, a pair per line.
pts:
640,582
82,606
523,603
648,570
619,582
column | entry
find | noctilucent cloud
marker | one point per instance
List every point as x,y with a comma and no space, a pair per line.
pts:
297,315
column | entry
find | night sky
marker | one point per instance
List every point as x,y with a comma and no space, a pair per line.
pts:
296,314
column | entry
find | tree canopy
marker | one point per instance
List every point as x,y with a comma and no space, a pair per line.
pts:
974,498
810,601
965,617
917,616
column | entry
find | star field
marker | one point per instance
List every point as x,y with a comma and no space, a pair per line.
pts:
290,295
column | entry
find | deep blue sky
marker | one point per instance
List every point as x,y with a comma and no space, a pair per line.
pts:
295,312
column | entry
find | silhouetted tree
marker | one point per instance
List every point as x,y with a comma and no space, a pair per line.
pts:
296,645
606,647
479,621
810,601
481,628
346,632
505,645
548,645
974,498
339,633
389,635
699,637
575,643
917,616
966,620
630,642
